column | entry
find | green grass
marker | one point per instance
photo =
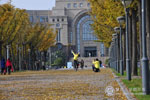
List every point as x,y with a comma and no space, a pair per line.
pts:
139,73
118,74
135,86
124,75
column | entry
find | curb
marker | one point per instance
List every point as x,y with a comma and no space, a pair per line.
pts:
125,91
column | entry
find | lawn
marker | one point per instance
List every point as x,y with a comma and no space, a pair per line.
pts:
135,86
118,74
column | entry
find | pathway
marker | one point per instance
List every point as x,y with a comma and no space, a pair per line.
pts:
60,85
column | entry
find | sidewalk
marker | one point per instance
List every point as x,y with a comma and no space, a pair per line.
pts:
126,92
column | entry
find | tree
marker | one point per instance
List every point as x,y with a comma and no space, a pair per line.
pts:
21,35
104,14
40,37
7,22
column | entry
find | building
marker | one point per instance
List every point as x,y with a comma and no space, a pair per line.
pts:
72,20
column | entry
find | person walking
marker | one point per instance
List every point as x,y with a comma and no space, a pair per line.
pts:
96,65
100,62
3,68
93,66
75,58
43,65
9,66
82,63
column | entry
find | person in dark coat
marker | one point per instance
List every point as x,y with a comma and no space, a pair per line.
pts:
3,68
100,62
82,63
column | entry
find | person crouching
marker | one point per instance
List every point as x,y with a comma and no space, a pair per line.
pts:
96,65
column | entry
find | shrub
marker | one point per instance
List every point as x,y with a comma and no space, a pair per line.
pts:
106,61
58,62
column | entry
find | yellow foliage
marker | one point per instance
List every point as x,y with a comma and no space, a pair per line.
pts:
104,14
17,31
60,85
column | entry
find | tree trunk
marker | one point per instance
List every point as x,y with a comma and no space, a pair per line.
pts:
4,52
23,58
0,49
26,58
134,43
140,33
17,57
20,59
13,57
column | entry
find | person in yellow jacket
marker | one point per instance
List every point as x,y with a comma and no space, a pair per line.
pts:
96,65
75,58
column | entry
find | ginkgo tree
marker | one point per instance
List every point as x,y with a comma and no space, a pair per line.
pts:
104,14
8,27
40,38
21,35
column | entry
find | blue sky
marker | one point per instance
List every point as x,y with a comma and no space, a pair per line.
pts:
32,4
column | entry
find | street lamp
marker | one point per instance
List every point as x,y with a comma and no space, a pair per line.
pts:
115,36
113,55
144,60
115,52
117,30
126,3
110,56
121,20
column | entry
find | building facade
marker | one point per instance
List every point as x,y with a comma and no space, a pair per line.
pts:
72,21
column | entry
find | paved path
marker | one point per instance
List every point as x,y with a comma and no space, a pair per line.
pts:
60,85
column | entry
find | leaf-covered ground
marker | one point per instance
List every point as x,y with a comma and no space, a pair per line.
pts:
59,85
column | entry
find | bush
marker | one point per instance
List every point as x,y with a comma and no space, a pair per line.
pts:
106,61
58,62
56,58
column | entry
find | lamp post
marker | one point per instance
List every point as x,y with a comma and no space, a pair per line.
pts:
144,60
117,30
126,3
114,53
121,20
115,36
110,56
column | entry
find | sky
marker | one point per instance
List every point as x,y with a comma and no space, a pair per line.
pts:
32,4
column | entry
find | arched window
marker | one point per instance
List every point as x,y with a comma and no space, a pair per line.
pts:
84,27
87,32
